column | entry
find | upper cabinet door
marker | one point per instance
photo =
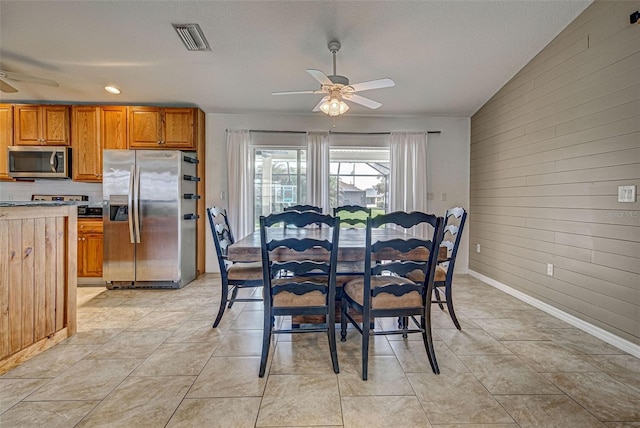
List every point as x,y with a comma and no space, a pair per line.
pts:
161,128
113,127
144,127
87,149
178,128
41,125
6,138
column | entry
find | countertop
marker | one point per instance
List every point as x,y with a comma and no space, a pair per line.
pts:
39,203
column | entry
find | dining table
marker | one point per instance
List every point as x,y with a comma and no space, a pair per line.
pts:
351,246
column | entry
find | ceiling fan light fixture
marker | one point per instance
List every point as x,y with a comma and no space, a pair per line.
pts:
334,106
112,89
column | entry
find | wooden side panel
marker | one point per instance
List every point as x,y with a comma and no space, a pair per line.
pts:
15,288
200,204
60,273
113,127
28,281
50,275
40,257
4,290
6,138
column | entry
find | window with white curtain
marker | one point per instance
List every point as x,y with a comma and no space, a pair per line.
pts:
359,171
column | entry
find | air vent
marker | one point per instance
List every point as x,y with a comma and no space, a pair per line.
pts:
192,37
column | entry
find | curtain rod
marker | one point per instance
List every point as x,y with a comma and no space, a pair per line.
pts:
265,131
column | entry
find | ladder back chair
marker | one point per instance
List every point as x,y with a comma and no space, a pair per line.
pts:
303,208
352,215
233,276
299,274
385,290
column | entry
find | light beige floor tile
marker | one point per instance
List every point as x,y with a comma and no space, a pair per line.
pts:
86,380
51,362
472,342
176,359
198,330
622,424
159,320
229,377
547,411
249,320
129,405
385,378
50,414
366,412
602,395
507,374
240,343
98,336
300,400
625,368
457,398
441,319
216,412
131,344
118,317
509,329
535,318
579,342
476,426
14,390
412,356
547,356
310,355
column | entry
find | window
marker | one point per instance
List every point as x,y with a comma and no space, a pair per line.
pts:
280,179
359,176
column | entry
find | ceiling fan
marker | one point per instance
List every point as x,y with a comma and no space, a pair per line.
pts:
18,77
337,89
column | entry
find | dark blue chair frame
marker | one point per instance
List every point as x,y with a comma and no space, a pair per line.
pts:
222,238
313,270
387,256
352,209
450,230
303,208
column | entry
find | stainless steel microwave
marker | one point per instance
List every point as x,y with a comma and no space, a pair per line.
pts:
39,162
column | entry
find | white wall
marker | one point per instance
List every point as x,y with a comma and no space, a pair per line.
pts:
448,156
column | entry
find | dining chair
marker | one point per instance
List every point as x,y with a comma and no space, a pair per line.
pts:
385,290
299,275
303,208
233,276
455,219
352,215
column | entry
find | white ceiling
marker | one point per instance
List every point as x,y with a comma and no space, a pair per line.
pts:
446,57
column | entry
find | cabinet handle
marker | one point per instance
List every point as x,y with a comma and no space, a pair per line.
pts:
191,196
190,178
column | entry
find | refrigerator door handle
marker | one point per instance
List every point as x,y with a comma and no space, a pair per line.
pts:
130,205
136,204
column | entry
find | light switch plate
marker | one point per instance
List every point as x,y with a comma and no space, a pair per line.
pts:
627,193
549,269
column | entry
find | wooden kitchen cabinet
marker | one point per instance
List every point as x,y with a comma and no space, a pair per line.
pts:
93,129
90,247
6,138
37,125
161,128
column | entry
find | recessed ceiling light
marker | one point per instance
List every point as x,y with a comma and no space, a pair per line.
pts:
112,90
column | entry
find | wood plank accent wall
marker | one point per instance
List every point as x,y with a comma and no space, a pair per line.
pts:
548,152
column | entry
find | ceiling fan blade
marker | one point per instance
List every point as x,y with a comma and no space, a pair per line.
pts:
373,84
363,101
317,107
320,77
7,88
24,78
296,92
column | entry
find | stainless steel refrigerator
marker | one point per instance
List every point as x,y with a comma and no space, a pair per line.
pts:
149,218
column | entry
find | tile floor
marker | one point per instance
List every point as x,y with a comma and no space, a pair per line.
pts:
150,358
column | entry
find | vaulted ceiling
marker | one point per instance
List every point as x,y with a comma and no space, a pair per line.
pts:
446,57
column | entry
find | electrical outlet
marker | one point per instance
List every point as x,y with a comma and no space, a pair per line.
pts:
549,269
222,196
477,248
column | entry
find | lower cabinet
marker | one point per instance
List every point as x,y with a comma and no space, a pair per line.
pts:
90,247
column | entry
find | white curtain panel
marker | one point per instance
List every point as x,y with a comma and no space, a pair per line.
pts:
408,176
240,183
318,170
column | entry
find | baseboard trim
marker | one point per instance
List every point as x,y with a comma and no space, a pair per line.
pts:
610,338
